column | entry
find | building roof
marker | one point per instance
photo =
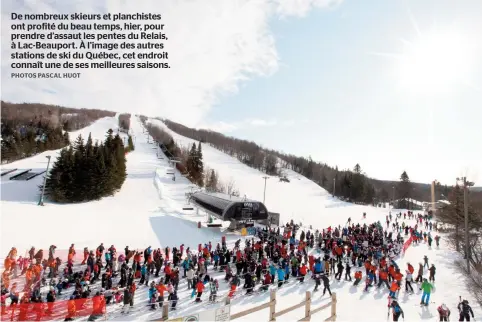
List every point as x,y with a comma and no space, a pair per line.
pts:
218,202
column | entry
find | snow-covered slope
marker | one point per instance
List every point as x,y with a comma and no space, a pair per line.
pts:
147,211
300,199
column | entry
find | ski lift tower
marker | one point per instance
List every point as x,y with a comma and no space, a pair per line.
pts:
173,161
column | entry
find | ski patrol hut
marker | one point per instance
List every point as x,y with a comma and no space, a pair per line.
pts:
241,212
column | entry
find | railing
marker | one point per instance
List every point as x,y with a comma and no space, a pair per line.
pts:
306,303
272,308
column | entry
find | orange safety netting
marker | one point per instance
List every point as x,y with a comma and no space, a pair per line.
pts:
58,310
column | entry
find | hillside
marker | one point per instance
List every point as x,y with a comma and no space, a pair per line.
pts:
28,129
147,211
318,172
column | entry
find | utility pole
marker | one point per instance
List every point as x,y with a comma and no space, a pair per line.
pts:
264,193
334,186
41,201
466,215
393,196
467,184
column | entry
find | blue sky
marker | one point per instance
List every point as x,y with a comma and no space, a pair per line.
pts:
391,84
346,103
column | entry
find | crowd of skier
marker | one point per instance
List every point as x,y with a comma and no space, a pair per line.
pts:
270,259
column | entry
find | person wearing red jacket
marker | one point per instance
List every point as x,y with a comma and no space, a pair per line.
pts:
303,272
86,255
199,289
443,312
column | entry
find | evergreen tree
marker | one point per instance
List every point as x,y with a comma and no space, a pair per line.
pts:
211,181
190,163
404,187
199,165
81,182
130,144
358,185
86,172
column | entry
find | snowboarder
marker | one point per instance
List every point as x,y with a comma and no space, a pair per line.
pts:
425,261
464,310
443,312
427,289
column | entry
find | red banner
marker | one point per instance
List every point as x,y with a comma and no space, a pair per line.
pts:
58,310
407,244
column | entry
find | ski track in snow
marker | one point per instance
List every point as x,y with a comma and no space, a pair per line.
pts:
148,211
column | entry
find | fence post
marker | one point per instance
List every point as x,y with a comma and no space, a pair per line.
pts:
165,311
333,307
272,307
308,306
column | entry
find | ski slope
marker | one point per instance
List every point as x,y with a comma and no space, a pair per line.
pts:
147,211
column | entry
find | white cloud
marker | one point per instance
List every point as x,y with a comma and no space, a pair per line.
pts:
213,46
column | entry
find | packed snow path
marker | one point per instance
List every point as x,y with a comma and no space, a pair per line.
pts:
138,217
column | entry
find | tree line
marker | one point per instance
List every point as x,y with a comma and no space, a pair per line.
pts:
69,119
29,129
85,171
29,141
348,184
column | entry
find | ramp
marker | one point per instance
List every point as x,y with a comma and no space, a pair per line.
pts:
8,171
21,175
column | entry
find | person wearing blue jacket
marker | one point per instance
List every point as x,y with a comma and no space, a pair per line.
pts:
318,267
152,297
281,276
185,265
272,272
144,275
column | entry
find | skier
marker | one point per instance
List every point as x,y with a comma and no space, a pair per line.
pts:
396,311
427,289
431,277
443,312
358,277
393,290
317,282
303,272
339,272
281,276
419,273
464,310
437,240
326,284
408,282
173,299
425,261
213,290
199,289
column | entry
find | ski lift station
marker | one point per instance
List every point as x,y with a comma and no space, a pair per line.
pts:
241,212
